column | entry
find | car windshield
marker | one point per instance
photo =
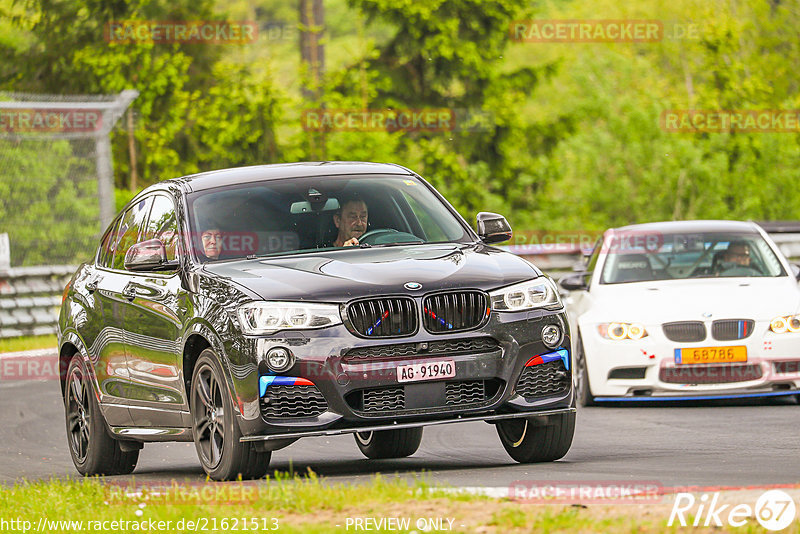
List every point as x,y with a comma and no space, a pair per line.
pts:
640,257
292,216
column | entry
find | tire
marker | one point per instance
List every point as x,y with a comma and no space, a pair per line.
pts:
93,450
214,427
583,388
385,444
527,442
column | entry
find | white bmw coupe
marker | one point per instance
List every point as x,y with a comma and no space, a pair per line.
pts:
685,310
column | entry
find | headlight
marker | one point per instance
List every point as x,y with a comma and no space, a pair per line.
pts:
537,293
789,323
617,331
265,317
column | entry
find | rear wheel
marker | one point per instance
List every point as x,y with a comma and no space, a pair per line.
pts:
384,444
93,450
216,432
584,389
529,441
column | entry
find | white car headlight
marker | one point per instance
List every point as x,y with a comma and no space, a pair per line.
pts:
268,317
618,331
781,325
537,293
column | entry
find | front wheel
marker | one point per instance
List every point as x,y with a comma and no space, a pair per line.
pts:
528,441
385,444
216,432
93,450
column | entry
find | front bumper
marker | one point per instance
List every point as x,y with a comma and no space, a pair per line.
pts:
350,393
647,368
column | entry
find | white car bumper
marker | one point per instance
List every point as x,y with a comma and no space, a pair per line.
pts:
648,367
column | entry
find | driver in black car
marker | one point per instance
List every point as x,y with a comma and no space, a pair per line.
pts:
351,220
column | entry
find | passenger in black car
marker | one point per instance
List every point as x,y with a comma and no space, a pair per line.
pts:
211,238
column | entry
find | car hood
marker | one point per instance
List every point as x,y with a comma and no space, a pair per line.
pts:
761,299
342,275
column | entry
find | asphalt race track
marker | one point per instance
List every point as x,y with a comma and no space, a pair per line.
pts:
745,443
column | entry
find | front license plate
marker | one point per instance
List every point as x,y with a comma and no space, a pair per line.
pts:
711,355
426,371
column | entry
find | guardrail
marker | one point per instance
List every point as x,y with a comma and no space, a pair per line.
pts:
30,298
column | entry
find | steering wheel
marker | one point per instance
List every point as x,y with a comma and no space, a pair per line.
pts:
372,237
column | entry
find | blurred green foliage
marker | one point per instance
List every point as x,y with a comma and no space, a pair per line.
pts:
573,140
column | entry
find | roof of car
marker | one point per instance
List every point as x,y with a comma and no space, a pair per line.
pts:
691,226
211,179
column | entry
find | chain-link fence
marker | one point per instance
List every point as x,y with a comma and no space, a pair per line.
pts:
56,174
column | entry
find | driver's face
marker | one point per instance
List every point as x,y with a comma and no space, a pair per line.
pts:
738,254
353,220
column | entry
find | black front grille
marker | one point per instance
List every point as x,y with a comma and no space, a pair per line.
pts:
383,400
685,331
424,349
731,329
454,312
542,380
787,367
466,392
292,401
393,400
383,317
710,374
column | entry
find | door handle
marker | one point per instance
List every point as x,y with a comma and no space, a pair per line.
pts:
129,292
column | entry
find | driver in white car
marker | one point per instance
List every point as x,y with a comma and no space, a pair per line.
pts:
351,220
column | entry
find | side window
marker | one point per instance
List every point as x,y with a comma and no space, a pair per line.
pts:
163,225
129,230
592,263
104,252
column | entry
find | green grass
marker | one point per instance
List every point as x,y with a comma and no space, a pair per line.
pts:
300,504
15,344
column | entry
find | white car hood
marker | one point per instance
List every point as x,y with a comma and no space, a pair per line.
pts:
760,299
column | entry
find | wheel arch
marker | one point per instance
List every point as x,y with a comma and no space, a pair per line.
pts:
72,344
199,337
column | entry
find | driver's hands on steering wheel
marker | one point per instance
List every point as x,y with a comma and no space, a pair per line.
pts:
352,242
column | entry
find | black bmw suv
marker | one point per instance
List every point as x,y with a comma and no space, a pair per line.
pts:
246,308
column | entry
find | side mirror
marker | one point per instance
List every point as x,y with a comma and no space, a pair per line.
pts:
795,271
574,282
148,255
493,228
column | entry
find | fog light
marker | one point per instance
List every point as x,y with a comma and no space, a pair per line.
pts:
551,335
279,359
